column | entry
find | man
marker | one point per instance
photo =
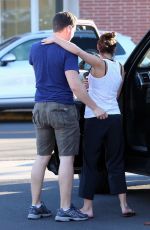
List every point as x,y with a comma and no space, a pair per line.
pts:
55,116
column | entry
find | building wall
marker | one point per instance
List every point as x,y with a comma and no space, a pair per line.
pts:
130,17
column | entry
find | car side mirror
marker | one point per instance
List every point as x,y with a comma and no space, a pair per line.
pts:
7,58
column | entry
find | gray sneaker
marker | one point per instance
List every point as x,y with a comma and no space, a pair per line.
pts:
71,214
37,213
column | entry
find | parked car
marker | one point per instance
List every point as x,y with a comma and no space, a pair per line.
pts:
17,81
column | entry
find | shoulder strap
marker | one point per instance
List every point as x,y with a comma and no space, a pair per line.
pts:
121,69
105,67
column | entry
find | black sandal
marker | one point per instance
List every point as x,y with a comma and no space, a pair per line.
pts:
129,214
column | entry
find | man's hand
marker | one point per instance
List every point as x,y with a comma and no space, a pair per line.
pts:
100,113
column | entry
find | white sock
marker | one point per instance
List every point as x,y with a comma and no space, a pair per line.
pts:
37,205
66,209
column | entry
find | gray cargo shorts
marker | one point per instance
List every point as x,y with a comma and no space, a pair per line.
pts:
55,121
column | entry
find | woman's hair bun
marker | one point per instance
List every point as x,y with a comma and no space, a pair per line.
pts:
107,42
109,35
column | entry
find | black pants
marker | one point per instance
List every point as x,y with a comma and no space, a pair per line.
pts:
96,132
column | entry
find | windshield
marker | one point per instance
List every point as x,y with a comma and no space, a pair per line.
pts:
7,42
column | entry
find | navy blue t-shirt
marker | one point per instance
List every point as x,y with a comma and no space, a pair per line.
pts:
50,63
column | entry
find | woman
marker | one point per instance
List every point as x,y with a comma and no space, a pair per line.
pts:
105,81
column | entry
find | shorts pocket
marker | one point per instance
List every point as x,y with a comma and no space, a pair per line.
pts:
70,115
35,118
64,116
38,116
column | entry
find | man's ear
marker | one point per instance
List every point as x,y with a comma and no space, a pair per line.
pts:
69,28
66,30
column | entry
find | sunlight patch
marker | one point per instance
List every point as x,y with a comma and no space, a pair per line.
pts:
8,193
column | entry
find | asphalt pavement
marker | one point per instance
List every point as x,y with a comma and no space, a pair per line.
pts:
15,200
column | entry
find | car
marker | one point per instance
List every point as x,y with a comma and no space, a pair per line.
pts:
17,81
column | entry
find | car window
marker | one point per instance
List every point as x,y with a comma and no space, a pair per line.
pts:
85,37
145,62
8,42
85,43
21,51
119,49
86,31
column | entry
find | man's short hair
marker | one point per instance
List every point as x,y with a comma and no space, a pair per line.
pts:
62,20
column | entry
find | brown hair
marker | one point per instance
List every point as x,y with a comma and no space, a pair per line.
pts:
62,20
107,43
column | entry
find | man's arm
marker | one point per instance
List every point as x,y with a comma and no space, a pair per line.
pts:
81,93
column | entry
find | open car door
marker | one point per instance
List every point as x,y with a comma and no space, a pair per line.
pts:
136,108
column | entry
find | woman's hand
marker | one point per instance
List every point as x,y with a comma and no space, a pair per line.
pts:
100,113
48,40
